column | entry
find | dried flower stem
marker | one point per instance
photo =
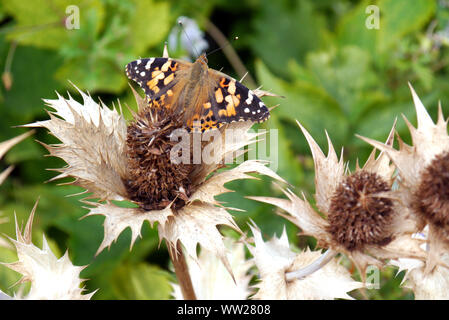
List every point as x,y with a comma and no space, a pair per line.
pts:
311,268
182,272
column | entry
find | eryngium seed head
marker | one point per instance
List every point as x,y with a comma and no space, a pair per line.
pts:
357,215
431,199
154,181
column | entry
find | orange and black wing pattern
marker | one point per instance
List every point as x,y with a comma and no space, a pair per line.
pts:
157,77
231,101
216,99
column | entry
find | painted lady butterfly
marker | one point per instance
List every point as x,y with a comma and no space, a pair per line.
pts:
207,97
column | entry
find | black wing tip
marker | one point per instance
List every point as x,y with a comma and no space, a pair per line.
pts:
129,69
128,65
264,116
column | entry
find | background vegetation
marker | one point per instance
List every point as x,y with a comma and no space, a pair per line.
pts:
335,74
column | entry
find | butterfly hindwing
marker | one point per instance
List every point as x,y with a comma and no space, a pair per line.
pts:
235,102
228,101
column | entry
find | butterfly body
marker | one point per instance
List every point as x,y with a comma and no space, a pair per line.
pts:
206,98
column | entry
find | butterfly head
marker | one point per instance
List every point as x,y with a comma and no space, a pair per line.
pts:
199,68
202,59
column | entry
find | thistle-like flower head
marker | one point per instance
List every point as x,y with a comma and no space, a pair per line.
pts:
424,176
115,161
362,217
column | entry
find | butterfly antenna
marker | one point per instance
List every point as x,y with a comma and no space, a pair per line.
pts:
221,48
188,38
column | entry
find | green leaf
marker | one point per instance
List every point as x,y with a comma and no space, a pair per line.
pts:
32,71
8,277
378,121
425,75
89,58
142,282
287,166
149,24
277,40
92,79
351,29
345,74
399,17
306,102
53,206
2,12
127,35
25,150
41,23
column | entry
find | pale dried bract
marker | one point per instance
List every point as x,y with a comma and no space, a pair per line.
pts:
275,258
212,281
51,278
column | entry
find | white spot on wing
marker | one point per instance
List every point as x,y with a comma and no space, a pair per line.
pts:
250,98
149,63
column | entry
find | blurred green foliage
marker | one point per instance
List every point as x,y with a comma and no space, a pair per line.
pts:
334,72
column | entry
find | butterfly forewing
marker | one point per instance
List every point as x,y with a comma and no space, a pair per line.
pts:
154,75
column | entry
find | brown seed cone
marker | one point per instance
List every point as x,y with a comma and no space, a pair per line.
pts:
154,181
357,216
431,199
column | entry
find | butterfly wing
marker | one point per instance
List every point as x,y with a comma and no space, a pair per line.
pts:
216,99
231,101
158,78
